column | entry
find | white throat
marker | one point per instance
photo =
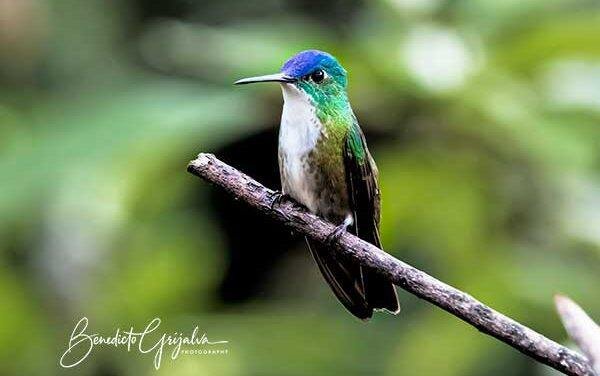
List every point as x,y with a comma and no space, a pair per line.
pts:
300,128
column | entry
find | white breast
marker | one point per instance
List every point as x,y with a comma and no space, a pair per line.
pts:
300,130
300,127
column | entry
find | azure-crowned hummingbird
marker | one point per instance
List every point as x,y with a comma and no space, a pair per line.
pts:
324,164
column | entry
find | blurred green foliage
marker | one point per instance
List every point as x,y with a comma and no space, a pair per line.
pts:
490,171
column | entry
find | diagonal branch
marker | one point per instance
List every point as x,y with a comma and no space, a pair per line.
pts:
419,283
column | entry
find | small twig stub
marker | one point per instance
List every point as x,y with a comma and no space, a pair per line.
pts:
581,329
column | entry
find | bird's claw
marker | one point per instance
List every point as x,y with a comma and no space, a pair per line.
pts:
278,198
336,234
339,230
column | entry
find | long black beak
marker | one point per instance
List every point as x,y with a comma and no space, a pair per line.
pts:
277,77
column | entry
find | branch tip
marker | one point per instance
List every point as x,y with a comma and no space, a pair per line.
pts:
202,160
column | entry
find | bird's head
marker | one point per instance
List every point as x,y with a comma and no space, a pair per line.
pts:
316,73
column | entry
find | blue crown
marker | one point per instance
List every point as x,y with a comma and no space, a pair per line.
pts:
308,61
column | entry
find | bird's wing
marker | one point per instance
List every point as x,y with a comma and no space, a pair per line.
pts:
363,188
364,197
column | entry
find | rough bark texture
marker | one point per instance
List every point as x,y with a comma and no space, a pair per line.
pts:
419,283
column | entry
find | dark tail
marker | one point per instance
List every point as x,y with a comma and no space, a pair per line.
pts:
381,294
359,290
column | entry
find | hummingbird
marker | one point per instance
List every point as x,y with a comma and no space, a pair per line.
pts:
325,165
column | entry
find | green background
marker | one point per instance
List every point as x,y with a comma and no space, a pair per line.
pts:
483,116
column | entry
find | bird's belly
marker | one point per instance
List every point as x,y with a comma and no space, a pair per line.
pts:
298,181
323,192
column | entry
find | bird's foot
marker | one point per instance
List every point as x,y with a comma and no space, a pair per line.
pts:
277,198
339,230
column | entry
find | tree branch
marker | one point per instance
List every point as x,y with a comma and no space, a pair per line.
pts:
419,283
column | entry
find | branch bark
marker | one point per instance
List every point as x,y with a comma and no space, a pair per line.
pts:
413,280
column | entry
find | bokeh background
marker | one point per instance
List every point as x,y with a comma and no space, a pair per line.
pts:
483,115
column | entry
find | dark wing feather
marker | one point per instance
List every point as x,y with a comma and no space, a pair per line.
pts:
344,278
363,193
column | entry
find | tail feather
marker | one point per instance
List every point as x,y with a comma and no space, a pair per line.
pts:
359,290
380,293
345,279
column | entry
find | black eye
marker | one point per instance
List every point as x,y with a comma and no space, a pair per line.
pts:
317,76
